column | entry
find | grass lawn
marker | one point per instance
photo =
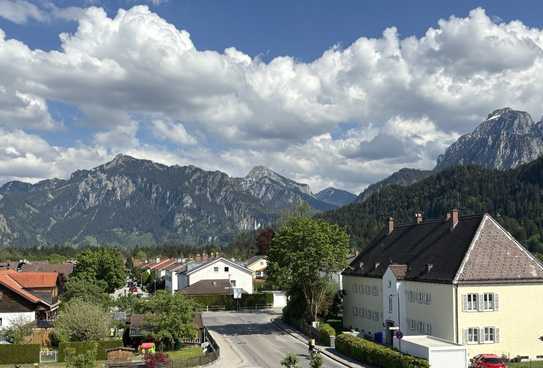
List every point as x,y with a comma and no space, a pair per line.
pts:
526,365
185,353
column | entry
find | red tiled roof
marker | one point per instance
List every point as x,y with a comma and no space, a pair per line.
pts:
7,281
32,280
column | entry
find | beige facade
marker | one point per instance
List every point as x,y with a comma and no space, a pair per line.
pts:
516,318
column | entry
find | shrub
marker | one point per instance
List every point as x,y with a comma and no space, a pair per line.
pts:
82,347
20,354
325,331
367,352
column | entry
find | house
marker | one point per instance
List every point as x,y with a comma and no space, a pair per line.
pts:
258,265
159,266
28,296
462,279
173,272
217,269
64,270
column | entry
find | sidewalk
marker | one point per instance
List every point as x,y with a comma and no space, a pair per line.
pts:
325,350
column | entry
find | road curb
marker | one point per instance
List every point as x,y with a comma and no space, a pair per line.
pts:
278,323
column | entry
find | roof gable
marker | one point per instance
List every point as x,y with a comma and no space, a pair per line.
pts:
229,262
495,256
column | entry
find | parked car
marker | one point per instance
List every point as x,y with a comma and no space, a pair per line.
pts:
487,361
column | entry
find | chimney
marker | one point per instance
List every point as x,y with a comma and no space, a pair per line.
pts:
428,267
157,259
390,225
454,218
204,256
418,217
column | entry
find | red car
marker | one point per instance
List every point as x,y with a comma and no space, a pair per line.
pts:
487,361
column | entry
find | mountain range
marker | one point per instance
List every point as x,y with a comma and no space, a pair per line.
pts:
506,139
138,202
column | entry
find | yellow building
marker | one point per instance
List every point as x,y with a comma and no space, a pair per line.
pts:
258,265
463,279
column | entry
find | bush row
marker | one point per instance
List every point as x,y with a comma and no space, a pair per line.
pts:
228,302
20,354
84,346
367,352
325,331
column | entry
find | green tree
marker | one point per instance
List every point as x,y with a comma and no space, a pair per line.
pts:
79,320
171,316
290,361
102,264
89,290
303,253
127,303
20,328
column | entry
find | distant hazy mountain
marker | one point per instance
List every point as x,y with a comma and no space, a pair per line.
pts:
403,177
130,201
336,197
505,140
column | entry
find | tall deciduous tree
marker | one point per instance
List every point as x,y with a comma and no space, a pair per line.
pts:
303,252
82,321
102,264
171,316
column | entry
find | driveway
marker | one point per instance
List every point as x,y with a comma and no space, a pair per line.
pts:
251,340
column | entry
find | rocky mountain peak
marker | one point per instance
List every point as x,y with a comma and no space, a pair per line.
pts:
337,197
506,139
259,172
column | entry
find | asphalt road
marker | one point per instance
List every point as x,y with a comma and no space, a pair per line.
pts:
251,340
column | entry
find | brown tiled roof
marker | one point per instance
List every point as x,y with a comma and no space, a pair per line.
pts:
497,256
62,268
208,287
31,280
478,249
417,246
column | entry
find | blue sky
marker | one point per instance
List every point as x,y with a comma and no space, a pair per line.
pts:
329,93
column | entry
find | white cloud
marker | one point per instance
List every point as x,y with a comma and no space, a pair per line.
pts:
407,97
20,11
171,131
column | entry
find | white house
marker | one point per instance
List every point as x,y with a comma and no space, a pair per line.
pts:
217,269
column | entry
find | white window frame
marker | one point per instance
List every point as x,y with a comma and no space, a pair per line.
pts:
488,302
488,335
472,302
216,269
473,335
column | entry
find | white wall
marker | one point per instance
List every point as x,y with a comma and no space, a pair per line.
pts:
8,319
171,281
216,271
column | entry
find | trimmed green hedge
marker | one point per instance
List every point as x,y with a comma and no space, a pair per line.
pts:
84,346
228,301
367,352
20,353
325,331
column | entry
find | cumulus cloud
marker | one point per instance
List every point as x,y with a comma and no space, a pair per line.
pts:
407,98
20,11
170,131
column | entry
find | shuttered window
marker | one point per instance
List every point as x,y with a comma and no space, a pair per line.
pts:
471,302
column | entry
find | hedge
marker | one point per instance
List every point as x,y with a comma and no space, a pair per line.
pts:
20,354
228,301
367,352
325,331
81,347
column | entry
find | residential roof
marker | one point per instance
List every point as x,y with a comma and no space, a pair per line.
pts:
254,259
12,280
62,268
212,261
31,280
477,249
208,287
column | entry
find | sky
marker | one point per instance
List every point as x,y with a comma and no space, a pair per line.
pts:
329,93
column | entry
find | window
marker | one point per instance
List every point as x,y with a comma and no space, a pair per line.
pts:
226,268
489,335
473,335
374,291
0,322
488,302
390,304
216,269
233,282
471,302
389,284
